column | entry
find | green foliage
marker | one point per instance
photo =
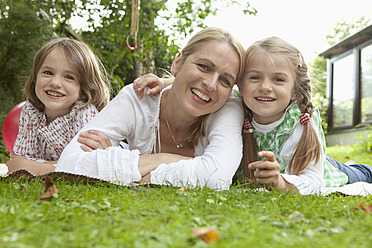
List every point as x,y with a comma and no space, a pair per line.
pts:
345,28
26,25
318,75
365,142
22,31
4,155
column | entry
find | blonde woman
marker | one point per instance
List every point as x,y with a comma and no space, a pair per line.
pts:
189,134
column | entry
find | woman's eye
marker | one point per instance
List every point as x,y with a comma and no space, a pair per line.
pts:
226,82
204,67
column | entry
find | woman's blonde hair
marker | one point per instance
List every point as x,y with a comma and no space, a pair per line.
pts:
94,84
308,147
210,34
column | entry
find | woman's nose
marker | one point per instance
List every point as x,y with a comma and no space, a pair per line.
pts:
211,83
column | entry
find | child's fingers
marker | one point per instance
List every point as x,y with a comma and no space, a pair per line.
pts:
101,138
264,173
260,165
94,140
139,91
86,148
139,85
153,91
269,156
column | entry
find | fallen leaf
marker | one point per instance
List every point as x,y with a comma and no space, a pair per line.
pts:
207,234
50,189
367,209
21,188
182,190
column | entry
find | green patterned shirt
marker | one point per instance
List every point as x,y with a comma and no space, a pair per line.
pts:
273,141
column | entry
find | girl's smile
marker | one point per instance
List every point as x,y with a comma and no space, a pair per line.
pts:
57,85
268,87
53,93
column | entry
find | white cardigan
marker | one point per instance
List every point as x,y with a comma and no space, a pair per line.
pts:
127,117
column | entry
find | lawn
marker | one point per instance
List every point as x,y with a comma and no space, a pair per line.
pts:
106,215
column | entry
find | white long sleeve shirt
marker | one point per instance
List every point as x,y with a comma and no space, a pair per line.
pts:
127,117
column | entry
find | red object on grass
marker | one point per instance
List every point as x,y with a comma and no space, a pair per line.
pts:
10,126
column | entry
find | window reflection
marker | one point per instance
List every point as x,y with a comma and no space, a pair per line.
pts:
366,83
343,91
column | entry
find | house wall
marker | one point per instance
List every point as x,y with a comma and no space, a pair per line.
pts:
346,137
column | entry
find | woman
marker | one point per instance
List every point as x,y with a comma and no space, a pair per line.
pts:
188,135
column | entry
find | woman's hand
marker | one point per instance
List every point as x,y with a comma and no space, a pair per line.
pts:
267,172
151,81
93,140
18,162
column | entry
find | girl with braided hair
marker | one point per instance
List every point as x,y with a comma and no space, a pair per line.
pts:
283,125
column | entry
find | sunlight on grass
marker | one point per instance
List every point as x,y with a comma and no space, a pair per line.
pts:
346,153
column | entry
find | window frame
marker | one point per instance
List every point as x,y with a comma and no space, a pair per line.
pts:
357,111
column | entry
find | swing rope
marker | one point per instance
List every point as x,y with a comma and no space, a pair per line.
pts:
133,25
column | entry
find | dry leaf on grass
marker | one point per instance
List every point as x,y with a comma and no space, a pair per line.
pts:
50,189
207,234
182,190
367,209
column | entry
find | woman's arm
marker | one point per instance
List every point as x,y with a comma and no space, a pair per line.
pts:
217,160
125,117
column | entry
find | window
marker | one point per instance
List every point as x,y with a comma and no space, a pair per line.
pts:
343,91
366,84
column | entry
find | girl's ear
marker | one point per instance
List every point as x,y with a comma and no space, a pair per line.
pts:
176,64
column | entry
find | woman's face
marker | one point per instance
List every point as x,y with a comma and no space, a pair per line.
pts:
204,81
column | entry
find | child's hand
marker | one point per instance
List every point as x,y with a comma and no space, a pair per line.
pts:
267,172
93,140
150,80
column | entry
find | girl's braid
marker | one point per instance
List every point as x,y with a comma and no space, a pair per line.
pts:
304,90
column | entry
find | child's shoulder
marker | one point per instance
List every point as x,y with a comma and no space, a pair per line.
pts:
30,110
83,109
29,106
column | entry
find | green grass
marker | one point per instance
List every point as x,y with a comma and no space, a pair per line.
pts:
107,215
345,153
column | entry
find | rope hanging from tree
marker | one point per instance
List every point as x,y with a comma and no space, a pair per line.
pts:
133,26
